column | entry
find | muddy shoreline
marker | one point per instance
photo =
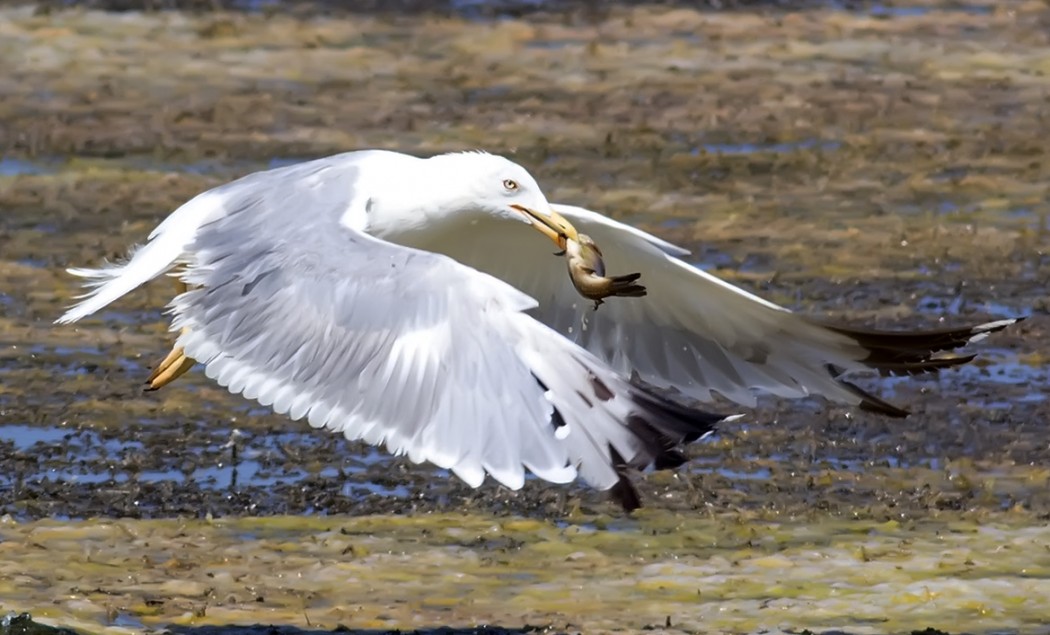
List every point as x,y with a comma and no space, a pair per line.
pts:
473,9
833,192
870,164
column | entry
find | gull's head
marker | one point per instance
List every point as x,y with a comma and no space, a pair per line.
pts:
499,187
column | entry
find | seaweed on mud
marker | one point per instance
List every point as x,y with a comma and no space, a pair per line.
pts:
880,167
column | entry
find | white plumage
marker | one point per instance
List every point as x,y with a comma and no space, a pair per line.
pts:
389,298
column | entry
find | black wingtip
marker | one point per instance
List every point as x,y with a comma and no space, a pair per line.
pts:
662,425
625,495
931,365
868,401
673,419
894,353
871,403
981,331
623,492
914,353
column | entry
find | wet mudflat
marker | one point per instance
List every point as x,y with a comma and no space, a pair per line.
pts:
880,164
663,571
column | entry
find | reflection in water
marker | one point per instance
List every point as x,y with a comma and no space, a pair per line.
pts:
10,166
259,462
24,437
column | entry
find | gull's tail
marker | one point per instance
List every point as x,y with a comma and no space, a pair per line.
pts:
167,244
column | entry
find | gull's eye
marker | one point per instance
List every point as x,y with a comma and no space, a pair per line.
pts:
510,185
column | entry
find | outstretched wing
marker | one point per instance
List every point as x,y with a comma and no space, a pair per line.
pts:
404,347
699,334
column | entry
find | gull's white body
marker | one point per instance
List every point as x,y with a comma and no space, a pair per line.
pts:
325,292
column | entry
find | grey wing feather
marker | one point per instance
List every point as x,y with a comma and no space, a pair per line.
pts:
384,343
698,334
404,347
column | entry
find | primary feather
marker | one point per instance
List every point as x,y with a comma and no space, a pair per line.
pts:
296,307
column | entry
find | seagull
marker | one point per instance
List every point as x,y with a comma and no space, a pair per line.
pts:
400,301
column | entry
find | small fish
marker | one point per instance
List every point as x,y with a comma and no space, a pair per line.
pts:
587,271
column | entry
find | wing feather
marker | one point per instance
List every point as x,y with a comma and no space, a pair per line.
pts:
695,332
403,347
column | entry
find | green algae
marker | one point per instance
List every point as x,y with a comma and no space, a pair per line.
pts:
411,570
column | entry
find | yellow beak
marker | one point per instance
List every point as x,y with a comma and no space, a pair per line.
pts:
552,225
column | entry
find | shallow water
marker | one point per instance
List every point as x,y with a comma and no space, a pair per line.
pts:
876,164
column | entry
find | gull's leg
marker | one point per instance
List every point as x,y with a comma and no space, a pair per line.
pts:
176,363
173,367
